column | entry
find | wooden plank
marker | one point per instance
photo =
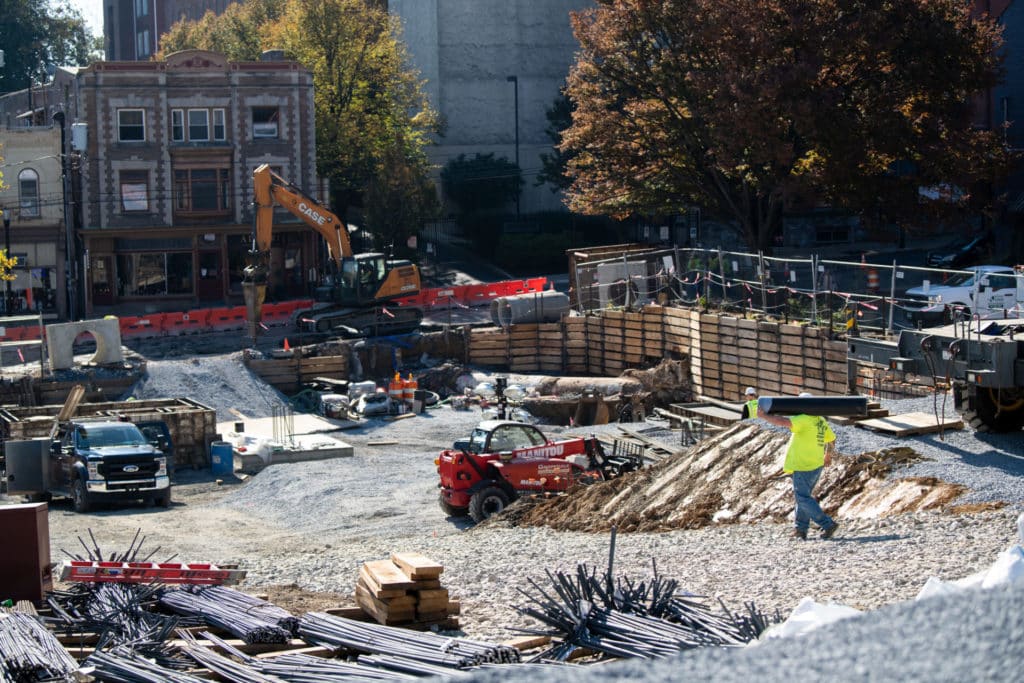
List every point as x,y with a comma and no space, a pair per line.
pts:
907,424
387,576
371,584
418,566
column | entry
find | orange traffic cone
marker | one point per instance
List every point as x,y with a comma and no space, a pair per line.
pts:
287,347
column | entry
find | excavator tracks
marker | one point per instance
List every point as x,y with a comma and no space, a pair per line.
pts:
360,322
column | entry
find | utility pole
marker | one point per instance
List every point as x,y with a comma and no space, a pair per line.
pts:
514,80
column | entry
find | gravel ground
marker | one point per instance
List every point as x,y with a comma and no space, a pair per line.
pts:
302,530
311,525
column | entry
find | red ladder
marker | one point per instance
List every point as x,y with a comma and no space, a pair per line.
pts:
203,574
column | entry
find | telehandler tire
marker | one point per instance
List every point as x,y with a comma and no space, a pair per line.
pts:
487,502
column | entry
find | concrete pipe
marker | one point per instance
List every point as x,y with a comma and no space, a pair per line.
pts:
539,307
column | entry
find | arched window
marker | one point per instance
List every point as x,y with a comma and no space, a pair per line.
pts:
28,193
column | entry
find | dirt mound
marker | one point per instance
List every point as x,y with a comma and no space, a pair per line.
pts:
734,477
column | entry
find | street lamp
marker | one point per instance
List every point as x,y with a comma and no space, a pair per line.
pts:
514,80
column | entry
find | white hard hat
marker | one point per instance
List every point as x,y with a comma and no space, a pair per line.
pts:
751,391
805,394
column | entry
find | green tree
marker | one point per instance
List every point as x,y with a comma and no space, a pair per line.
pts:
399,198
481,184
746,106
553,165
6,262
240,32
37,33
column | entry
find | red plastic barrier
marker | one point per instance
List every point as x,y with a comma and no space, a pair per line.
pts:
31,332
14,334
141,327
275,314
227,319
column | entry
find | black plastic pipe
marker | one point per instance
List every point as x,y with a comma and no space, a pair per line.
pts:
837,406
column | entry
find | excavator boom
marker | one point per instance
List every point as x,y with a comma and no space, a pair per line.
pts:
360,284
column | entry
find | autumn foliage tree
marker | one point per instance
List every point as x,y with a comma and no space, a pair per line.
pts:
742,106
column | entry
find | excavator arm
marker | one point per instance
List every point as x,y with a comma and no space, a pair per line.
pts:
271,189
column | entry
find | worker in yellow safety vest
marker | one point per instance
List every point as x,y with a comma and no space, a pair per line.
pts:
810,450
749,411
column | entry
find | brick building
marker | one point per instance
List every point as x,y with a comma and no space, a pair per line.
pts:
164,159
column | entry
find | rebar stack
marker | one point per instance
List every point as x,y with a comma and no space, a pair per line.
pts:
411,646
29,652
621,618
239,667
122,664
246,617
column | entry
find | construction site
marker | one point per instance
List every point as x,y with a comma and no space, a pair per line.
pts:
327,516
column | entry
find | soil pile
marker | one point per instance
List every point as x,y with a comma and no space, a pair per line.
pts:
735,477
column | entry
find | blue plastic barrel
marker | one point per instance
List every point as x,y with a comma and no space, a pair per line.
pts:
222,457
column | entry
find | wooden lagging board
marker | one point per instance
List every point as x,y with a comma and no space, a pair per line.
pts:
908,424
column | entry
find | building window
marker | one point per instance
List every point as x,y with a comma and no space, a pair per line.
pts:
201,190
154,274
198,125
141,8
219,129
142,44
28,193
134,191
131,125
264,122
178,125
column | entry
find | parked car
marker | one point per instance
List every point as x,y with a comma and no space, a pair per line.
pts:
987,291
965,253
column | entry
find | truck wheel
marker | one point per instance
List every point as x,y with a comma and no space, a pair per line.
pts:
163,500
80,496
39,497
988,413
451,510
487,502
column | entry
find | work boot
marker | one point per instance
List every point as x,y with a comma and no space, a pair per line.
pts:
829,532
799,534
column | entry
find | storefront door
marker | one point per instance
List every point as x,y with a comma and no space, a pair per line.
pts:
101,278
210,282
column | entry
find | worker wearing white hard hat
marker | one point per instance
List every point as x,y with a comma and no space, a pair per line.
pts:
749,410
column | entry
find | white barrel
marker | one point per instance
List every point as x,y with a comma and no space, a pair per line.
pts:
536,307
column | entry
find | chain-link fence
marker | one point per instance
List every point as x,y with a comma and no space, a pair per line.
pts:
837,294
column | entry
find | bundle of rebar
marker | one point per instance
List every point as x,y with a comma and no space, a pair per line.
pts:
122,664
238,667
29,652
621,618
423,647
248,618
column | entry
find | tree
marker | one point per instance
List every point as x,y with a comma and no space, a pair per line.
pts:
6,262
482,183
553,166
744,106
37,33
399,196
370,106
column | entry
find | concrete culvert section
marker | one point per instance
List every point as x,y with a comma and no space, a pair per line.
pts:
736,477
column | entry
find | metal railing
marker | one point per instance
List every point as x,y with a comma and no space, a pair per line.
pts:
831,293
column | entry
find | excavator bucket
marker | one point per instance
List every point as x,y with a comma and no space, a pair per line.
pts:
254,294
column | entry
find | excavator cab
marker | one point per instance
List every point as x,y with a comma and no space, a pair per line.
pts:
357,283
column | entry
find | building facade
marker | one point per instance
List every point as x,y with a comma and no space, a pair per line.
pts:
165,157
493,68
32,201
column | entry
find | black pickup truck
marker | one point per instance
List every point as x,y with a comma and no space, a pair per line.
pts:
92,461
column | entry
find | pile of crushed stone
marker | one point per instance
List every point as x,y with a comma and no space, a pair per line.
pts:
734,477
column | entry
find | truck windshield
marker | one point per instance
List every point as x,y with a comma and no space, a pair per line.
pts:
120,435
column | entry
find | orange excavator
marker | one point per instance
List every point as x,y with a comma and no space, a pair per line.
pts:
351,302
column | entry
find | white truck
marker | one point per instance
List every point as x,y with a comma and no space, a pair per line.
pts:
985,291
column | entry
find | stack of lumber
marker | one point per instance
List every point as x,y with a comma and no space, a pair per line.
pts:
406,591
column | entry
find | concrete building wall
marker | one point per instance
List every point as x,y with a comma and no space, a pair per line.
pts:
467,49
